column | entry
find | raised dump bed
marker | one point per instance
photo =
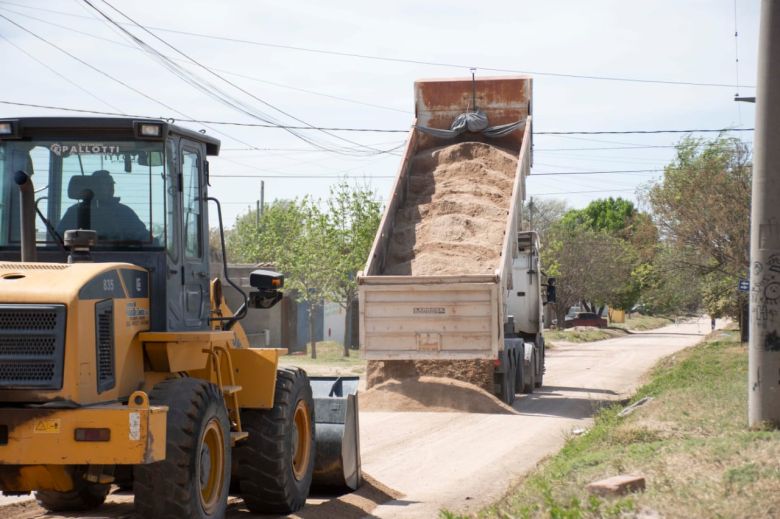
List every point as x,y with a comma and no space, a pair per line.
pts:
438,280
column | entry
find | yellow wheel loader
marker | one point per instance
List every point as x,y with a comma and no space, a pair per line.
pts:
120,362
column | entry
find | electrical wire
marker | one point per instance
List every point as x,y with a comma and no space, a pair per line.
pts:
218,93
419,61
376,130
609,172
112,78
308,177
583,192
58,74
228,72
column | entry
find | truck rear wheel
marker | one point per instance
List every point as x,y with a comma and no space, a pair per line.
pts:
84,496
193,479
529,380
540,375
276,462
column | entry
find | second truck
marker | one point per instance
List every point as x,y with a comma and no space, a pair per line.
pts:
452,279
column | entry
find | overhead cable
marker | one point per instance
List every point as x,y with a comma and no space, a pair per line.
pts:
392,59
372,130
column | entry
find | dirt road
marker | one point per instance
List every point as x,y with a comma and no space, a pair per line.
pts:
464,461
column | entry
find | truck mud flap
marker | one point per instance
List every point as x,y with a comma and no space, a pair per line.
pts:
337,435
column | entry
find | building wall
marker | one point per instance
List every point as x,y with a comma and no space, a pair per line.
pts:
333,327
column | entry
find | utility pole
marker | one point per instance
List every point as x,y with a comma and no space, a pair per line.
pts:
531,214
764,350
262,196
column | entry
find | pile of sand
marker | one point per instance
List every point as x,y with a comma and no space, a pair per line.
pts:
431,394
478,372
454,218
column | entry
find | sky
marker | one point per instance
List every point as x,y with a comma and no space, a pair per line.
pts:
295,63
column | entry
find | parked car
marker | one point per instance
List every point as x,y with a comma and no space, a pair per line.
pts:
586,319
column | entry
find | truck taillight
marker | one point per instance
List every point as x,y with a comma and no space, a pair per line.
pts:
93,434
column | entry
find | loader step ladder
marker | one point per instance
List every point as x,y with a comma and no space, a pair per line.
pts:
237,436
230,390
218,352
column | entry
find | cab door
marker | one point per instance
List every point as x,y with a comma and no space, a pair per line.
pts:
194,257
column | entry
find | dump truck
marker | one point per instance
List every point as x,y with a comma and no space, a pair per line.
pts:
456,199
120,362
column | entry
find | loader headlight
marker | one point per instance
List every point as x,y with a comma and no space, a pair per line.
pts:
148,130
9,129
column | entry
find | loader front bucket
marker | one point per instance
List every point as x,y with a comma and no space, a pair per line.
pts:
337,435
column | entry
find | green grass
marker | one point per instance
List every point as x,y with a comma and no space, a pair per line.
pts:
591,334
691,443
330,360
643,322
582,334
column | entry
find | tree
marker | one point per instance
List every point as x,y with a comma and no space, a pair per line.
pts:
320,252
587,262
308,258
279,224
619,219
353,218
294,235
541,214
702,209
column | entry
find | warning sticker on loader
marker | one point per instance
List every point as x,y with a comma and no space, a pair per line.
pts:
47,426
135,426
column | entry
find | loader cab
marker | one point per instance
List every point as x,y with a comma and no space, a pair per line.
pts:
141,184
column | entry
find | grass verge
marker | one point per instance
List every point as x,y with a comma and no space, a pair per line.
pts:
582,334
330,360
643,322
691,443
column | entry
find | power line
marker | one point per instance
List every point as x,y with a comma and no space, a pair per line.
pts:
611,172
228,72
418,61
309,177
370,130
105,74
214,91
58,74
606,148
583,192
640,132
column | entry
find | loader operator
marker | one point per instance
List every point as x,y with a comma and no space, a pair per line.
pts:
112,221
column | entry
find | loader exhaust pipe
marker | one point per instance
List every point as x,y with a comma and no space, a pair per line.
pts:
26,215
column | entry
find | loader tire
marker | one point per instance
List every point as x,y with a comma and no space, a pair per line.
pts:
193,479
85,496
276,461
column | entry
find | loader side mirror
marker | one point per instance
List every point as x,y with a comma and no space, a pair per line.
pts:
266,279
267,283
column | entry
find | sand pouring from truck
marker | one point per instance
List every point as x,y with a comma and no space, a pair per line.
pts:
452,286
119,360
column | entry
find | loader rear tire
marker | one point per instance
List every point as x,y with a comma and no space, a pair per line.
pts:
276,461
193,479
85,496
